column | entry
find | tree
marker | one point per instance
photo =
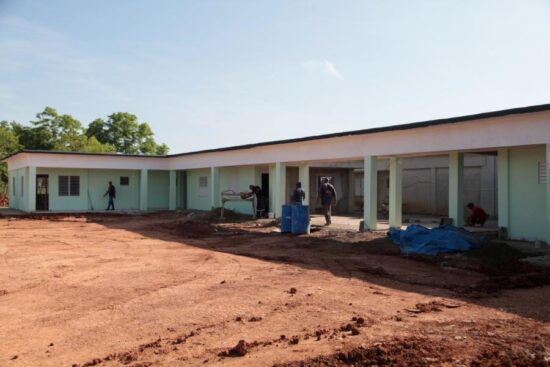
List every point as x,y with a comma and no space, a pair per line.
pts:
123,131
92,145
9,144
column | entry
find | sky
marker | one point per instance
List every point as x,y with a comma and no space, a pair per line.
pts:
207,74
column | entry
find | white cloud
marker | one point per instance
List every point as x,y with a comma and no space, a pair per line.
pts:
325,66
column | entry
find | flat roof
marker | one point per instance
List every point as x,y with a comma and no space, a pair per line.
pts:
407,126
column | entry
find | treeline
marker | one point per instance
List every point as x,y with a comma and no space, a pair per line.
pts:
120,132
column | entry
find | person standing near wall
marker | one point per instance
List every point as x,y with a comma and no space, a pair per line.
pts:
111,191
299,195
327,195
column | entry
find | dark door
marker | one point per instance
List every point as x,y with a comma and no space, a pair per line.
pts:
42,197
265,191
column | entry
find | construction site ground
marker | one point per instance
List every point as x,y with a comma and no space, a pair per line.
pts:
185,289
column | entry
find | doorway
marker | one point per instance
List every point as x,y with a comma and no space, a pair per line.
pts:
42,193
264,196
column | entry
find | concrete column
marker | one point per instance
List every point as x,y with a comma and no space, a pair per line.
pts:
547,193
396,201
503,188
215,194
303,176
172,193
456,188
370,192
143,187
30,187
279,191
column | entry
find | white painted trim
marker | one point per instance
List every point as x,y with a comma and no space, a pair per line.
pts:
493,133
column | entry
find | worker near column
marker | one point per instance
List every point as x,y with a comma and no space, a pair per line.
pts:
111,191
299,195
257,191
327,195
478,216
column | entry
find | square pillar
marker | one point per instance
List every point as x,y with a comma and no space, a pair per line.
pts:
396,201
456,188
503,188
143,187
370,192
279,191
547,194
31,188
303,177
215,193
172,196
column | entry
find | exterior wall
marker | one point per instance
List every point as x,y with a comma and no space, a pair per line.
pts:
93,185
158,190
197,199
527,196
19,199
13,194
238,179
340,180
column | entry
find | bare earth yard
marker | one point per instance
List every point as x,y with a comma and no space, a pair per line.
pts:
159,290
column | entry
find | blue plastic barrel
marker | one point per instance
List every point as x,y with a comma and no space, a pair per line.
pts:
300,219
286,219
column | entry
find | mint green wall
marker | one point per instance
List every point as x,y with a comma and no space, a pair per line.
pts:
93,185
195,200
18,201
127,197
158,189
527,196
237,179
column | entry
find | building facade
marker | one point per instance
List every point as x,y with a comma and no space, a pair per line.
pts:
432,166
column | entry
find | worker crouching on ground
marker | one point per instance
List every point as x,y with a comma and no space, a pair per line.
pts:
327,195
299,195
478,216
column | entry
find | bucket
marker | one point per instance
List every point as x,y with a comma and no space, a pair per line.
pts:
286,219
270,215
300,219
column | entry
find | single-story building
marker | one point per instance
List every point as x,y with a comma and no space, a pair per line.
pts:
500,158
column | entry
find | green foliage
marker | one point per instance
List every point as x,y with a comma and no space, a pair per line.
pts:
9,143
92,145
121,132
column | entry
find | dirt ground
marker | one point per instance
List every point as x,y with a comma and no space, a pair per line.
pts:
178,290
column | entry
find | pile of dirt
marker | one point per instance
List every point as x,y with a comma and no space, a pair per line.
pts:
539,355
397,352
238,350
228,215
188,229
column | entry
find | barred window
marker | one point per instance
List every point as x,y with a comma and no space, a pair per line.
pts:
22,186
69,186
13,185
203,186
124,181
542,173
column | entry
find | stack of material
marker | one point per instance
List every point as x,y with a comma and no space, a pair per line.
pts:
418,239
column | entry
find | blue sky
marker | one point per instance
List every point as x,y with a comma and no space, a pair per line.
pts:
216,73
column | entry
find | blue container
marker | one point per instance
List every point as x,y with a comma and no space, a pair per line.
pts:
300,219
286,219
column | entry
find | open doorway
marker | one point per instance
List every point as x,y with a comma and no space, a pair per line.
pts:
42,192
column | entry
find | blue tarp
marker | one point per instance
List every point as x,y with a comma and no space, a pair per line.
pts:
418,239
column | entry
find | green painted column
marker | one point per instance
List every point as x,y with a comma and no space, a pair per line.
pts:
143,187
396,206
456,187
172,196
280,188
370,192
303,177
215,194
547,194
31,188
503,188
